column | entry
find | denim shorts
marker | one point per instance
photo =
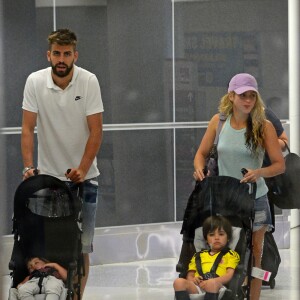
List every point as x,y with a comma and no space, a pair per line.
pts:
263,215
89,208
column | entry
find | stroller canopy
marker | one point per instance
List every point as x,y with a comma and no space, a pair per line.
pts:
45,195
222,195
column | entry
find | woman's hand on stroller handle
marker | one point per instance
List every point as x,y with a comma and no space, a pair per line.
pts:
244,171
249,175
199,175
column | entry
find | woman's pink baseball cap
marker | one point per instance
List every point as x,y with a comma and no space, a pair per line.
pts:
241,83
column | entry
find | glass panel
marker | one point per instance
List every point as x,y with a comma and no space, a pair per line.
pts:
13,174
139,42
3,210
136,181
187,142
211,46
19,39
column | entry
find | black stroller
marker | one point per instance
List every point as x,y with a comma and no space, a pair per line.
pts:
226,196
47,223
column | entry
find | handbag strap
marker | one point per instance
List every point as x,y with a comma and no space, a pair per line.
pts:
222,118
287,147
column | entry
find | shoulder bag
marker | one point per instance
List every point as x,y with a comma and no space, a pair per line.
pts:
211,162
284,189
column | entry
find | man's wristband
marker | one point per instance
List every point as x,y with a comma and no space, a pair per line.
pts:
26,169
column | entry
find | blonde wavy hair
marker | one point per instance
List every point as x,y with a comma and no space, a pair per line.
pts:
254,135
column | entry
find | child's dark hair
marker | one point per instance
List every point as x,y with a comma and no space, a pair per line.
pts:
216,222
28,259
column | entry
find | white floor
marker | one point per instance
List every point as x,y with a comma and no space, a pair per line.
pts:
153,280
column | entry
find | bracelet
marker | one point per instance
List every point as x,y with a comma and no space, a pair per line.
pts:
26,169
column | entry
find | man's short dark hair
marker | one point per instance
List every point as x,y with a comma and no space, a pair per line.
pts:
62,37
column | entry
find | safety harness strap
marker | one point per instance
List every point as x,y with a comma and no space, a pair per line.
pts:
214,266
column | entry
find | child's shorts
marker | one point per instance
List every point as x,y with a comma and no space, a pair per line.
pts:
202,293
262,213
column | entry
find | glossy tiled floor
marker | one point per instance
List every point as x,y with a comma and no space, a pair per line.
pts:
153,280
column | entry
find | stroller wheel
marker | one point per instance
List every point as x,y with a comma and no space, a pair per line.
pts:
241,294
244,292
272,284
240,297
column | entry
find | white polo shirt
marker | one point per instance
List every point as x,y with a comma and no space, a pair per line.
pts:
62,128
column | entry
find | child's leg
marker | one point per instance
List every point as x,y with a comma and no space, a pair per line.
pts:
181,284
212,289
183,288
53,288
27,290
26,297
52,297
211,296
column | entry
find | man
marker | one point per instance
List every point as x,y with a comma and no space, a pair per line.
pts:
64,102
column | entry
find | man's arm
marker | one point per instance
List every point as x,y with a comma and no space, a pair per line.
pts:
91,149
27,140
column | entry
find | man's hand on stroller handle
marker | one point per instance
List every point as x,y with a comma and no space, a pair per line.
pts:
75,175
29,171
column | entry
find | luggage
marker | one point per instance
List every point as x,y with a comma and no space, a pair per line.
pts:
270,258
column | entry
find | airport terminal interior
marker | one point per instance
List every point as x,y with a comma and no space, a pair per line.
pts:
163,66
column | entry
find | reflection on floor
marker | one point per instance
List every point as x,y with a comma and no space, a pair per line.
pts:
153,280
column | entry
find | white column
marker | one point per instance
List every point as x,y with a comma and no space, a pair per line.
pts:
294,97
294,88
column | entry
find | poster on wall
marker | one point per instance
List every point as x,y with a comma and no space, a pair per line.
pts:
202,74
220,55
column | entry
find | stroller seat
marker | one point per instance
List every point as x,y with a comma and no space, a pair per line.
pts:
226,196
200,244
47,224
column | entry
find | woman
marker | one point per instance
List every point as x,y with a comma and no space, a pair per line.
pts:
245,137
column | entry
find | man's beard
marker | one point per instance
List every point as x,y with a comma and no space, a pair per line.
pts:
64,73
